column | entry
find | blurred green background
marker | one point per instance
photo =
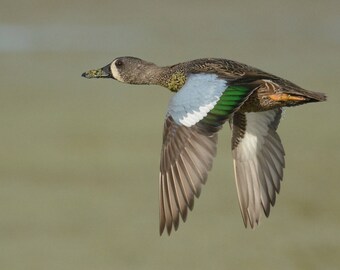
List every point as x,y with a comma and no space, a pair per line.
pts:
79,158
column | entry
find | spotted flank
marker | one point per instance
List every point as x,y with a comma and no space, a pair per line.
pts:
207,93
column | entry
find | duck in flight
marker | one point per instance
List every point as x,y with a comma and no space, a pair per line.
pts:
209,92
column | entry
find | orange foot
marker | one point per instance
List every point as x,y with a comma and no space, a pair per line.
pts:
285,97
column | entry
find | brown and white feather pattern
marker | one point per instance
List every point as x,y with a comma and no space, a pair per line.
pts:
258,162
186,157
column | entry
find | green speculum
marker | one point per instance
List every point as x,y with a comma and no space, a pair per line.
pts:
232,97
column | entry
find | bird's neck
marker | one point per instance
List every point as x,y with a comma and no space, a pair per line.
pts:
172,78
152,75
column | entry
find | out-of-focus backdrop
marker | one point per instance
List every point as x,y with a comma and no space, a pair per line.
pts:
79,158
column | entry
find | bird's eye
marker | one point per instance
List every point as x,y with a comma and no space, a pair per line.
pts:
119,63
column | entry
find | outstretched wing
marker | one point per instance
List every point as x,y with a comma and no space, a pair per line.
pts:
258,162
187,156
194,116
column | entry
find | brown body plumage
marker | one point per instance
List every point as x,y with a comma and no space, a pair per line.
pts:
210,92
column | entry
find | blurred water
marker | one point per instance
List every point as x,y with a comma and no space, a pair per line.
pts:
79,158
60,37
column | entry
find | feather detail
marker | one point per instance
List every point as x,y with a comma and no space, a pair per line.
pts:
186,158
258,162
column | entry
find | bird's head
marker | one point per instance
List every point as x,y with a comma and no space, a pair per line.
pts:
126,69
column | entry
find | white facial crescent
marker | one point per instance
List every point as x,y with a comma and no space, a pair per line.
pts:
115,72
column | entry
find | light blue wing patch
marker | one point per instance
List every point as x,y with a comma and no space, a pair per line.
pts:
196,98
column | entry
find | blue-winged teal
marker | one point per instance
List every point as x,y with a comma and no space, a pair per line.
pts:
208,93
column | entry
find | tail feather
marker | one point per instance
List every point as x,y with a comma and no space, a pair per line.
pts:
309,96
315,96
